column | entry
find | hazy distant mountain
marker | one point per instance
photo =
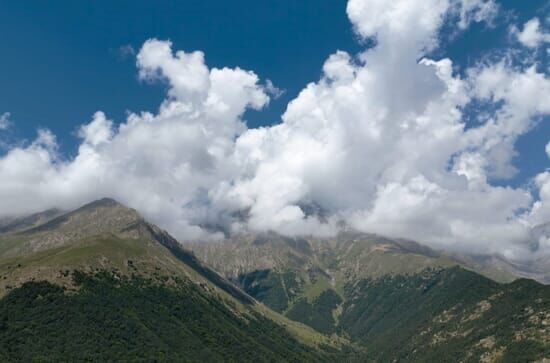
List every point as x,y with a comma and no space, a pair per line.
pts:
21,223
102,284
502,269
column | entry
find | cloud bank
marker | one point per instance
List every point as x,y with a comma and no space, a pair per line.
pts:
380,143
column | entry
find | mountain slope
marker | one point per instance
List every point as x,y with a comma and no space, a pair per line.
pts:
448,315
115,319
21,223
126,289
101,234
280,270
101,283
399,300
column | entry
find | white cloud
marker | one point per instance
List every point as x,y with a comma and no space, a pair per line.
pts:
100,130
477,11
540,212
272,90
163,164
379,142
4,120
409,26
532,35
524,95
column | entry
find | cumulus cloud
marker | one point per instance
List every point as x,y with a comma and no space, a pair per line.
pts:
523,94
476,11
532,35
379,143
164,164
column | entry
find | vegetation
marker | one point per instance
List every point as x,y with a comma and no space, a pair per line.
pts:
289,274
114,318
276,290
396,300
319,313
448,315
436,315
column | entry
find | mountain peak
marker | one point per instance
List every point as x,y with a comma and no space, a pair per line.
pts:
101,217
100,234
102,203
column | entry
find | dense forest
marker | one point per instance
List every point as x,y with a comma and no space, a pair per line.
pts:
114,318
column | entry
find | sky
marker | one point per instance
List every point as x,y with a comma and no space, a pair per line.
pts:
77,58
424,120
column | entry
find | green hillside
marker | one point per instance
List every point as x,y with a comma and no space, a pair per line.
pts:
450,315
102,284
115,318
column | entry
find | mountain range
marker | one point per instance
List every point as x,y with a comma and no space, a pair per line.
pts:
100,283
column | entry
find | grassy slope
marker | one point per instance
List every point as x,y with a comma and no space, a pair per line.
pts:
27,222
410,314
126,255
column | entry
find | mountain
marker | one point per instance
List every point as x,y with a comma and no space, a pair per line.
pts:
397,299
102,284
450,315
21,223
496,266
279,270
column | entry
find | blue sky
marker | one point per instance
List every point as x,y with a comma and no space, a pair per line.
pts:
65,55
62,60
401,118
